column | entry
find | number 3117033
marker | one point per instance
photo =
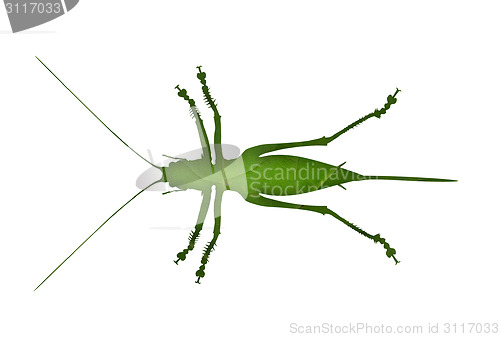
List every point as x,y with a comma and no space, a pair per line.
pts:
33,8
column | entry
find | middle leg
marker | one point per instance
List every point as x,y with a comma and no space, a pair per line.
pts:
219,159
193,236
211,245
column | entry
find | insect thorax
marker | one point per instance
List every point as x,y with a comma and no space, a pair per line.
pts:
198,175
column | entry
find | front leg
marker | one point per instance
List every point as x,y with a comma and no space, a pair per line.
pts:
210,246
195,113
193,236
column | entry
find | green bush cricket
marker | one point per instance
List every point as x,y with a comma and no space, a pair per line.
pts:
255,175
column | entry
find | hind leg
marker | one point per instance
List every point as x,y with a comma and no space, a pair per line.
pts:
263,201
261,149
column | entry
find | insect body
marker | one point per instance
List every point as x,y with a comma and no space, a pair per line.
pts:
256,175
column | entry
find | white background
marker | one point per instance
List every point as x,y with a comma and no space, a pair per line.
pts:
280,71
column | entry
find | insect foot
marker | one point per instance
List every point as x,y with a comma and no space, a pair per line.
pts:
200,273
183,93
390,252
193,237
391,99
201,75
181,256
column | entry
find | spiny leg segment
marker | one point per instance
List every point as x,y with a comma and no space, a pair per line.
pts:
219,159
261,149
263,201
194,235
211,245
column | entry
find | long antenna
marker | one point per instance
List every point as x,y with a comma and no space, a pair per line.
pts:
119,209
96,116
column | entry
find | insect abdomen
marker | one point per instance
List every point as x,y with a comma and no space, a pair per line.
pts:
289,175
